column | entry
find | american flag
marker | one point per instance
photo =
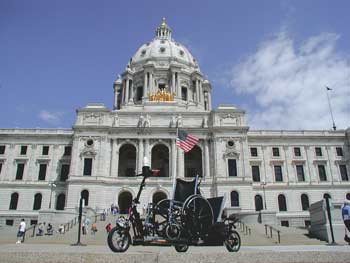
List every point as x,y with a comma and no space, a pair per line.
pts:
186,141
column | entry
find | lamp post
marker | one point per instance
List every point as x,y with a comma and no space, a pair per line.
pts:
52,186
263,183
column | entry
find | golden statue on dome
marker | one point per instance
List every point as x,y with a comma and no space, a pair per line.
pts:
161,95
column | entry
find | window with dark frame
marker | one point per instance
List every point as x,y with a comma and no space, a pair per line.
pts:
24,150
318,151
20,171
304,202
275,151
282,204
45,150
322,173
87,166
2,149
64,172
256,173
339,151
300,173
234,199
278,173
67,151
253,151
343,172
42,171
297,151
232,167
0,167
13,201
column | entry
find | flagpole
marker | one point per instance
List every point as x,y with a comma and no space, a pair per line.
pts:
174,175
330,107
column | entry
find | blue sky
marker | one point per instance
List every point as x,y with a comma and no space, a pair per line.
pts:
271,58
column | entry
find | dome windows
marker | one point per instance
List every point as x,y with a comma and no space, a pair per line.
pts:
181,52
143,52
162,49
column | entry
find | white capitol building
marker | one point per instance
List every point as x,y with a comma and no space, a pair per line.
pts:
44,172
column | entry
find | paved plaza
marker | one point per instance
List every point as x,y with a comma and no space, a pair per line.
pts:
91,253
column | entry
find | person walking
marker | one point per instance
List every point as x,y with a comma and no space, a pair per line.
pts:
93,228
21,231
346,218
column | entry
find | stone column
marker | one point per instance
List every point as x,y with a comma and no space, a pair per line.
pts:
140,157
131,99
201,92
209,100
180,164
207,159
309,166
146,151
173,158
197,91
145,85
173,82
178,86
151,82
114,158
285,149
126,90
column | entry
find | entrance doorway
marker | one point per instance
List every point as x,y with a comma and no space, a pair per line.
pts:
124,202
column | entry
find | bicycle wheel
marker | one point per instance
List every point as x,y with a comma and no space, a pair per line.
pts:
233,241
118,239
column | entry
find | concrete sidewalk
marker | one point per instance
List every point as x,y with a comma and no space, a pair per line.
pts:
279,254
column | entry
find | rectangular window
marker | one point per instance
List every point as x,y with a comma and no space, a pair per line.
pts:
232,167
67,150
300,173
42,171
343,172
275,151
278,173
64,172
2,149
87,166
322,172
253,151
318,151
45,150
256,173
0,167
23,150
20,170
285,223
339,151
297,151
9,222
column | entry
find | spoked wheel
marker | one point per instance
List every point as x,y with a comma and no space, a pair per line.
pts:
163,212
233,241
198,214
118,240
181,248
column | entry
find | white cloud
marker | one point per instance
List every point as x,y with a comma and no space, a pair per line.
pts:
53,118
288,83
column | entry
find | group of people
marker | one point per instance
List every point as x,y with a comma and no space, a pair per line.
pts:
41,227
86,225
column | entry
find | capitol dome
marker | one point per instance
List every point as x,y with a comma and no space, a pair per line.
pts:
163,48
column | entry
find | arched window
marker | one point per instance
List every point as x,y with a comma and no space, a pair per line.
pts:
158,196
14,201
61,201
160,159
124,202
305,202
282,204
326,195
85,195
234,198
193,162
258,203
37,201
127,160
